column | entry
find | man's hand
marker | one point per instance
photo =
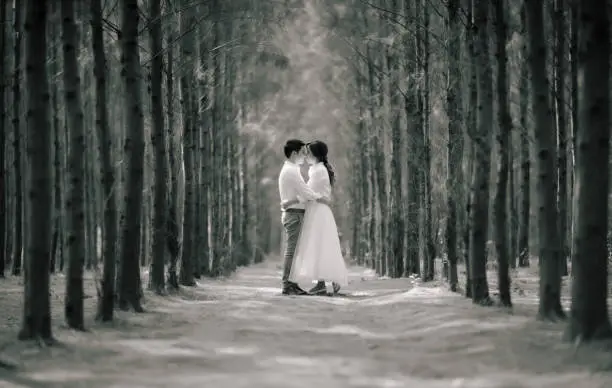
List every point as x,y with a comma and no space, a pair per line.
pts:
324,201
286,204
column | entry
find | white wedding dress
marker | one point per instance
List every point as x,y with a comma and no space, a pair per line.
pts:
318,255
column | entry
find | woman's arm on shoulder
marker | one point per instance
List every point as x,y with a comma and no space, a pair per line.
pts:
319,181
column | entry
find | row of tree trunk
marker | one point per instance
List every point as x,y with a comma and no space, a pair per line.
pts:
161,180
494,53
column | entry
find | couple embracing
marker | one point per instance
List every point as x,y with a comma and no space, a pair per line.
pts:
312,246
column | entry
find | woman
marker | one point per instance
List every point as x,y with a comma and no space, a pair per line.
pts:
318,255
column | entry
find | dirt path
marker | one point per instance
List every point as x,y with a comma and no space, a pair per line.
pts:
242,333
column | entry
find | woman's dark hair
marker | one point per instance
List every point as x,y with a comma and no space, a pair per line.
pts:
318,149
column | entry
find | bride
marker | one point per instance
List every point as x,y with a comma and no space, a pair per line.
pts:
318,256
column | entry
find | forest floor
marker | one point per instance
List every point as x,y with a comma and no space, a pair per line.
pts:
240,332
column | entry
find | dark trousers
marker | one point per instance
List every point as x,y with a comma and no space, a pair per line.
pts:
292,223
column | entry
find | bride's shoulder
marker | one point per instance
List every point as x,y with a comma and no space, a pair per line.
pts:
317,167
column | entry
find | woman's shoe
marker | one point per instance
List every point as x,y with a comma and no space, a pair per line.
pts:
319,289
293,289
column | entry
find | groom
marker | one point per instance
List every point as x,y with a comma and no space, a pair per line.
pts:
291,186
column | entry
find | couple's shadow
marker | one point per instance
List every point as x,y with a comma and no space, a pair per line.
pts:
342,295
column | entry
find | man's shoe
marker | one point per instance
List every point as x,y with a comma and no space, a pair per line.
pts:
289,290
336,287
319,289
293,289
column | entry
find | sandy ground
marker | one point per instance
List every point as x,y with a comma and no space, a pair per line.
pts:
240,332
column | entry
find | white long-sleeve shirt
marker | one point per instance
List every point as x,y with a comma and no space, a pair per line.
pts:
291,186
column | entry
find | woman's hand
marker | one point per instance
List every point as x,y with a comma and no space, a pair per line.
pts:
324,200
286,204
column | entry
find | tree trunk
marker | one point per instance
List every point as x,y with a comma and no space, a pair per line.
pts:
562,133
3,137
455,142
217,194
395,220
247,252
360,189
381,185
172,238
18,243
411,108
130,283
470,129
525,185
106,295
36,323
482,158
75,201
231,169
159,144
550,277
589,318
513,222
53,66
205,152
574,114
503,139
188,56
428,225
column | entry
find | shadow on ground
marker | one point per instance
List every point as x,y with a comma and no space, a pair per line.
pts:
240,332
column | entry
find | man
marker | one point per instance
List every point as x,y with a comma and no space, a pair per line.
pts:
291,186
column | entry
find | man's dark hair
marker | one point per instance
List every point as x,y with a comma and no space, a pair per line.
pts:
293,145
